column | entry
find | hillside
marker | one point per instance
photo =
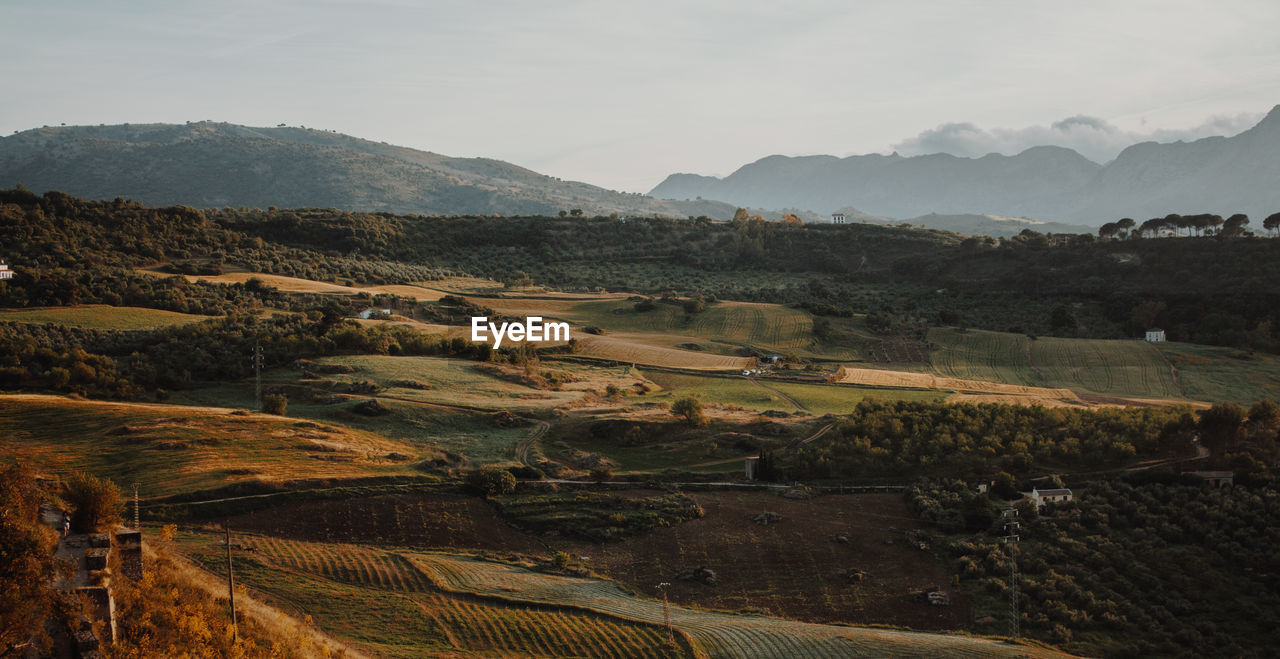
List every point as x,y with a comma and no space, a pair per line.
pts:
1215,174
209,164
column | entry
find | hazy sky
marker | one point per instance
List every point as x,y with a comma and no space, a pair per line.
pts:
621,94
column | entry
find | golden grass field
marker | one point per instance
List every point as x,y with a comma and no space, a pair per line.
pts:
170,449
969,391
622,350
101,316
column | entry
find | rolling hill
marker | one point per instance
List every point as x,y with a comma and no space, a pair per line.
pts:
209,164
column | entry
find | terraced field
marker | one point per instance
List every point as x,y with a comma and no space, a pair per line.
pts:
101,316
1008,392
716,634
401,612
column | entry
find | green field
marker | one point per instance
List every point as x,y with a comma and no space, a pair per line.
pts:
725,325
1119,368
473,384
470,435
1209,373
768,394
170,449
98,316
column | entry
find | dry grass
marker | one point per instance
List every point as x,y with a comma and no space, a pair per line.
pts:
427,292
883,378
169,449
280,626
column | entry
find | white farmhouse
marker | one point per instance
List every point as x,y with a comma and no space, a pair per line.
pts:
1155,335
1056,495
5,272
837,218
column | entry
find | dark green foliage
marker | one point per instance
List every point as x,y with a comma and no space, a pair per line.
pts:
882,439
596,516
1157,569
491,481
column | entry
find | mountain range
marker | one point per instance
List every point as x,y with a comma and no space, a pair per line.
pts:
1220,175
208,164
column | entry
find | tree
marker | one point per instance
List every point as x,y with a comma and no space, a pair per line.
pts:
27,566
1272,222
491,480
275,403
96,502
1061,319
1220,426
690,407
1234,226
791,220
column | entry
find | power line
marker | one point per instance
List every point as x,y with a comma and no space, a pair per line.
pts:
1011,530
257,374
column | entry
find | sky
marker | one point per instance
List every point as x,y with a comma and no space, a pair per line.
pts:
621,94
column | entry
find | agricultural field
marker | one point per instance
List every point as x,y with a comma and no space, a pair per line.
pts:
171,449
424,292
635,351
428,429
1128,369
794,568
1010,392
475,384
1210,373
101,316
382,603
762,394
712,633
727,325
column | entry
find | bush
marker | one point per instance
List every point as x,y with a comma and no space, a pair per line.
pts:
275,403
491,481
690,408
96,502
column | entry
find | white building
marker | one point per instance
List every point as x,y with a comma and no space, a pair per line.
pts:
5,272
837,218
1055,495
370,313
1155,335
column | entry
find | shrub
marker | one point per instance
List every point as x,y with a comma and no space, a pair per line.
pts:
96,502
491,481
275,403
690,408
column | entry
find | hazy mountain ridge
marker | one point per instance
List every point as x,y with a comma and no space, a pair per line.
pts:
1215,174
208,164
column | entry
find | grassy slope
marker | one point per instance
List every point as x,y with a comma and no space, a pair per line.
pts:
99,316
815,398
207,447
1108,367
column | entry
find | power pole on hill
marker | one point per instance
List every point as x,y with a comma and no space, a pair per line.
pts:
666,612
231,586
137,524
257,374
1011,528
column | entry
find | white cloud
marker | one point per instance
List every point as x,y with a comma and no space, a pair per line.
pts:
1094,138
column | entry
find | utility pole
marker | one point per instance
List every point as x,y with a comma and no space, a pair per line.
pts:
666,612
257,374
137,524
231,586
1011,529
